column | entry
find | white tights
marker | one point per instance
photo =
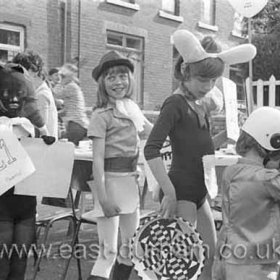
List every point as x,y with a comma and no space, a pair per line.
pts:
108,229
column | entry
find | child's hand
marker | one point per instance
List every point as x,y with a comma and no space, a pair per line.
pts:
168,206
48,139
110,209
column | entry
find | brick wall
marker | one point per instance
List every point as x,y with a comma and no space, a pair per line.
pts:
41,20
98,16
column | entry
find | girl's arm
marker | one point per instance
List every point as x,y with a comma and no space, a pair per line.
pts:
168,204
169,115
98,152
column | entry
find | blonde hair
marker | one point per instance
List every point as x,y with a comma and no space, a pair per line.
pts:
102,95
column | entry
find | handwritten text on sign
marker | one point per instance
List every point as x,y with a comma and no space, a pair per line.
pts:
5,155
15,164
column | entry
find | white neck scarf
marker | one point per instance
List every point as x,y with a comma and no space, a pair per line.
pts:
130,109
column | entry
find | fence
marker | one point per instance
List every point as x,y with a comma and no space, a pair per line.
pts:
265,93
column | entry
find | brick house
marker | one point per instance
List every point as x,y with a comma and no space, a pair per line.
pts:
82,30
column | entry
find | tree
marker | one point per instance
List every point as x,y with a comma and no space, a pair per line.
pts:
266,38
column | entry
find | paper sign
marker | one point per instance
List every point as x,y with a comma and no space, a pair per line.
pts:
248,8
15,164
229,89
210,178
209,164
53,165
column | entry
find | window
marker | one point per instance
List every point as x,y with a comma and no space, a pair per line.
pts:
208,11
235,74
238,25
171,7
129,4
131,47
11,41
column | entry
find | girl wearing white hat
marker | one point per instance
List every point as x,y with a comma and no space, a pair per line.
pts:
248,246
184,120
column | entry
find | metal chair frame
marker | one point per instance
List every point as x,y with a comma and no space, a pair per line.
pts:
47,223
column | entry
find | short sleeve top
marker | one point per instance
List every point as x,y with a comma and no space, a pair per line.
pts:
119,132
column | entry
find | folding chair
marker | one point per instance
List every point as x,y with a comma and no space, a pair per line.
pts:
69,210
46,221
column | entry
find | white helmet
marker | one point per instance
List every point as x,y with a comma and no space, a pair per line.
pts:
263,125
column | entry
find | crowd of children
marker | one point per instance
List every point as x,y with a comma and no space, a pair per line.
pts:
250,188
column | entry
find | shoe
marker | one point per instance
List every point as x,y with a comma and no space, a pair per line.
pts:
121,271
95,277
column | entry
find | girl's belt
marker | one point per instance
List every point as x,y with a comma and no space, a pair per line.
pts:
121,164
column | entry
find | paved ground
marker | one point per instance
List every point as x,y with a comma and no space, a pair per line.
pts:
58,250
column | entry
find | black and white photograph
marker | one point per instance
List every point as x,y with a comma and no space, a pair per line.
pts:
139,139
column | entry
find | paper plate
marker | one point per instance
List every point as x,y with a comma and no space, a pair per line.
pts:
167,249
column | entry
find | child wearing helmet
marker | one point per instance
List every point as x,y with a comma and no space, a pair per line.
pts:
249,237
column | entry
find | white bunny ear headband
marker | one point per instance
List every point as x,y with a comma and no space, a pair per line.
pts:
191,49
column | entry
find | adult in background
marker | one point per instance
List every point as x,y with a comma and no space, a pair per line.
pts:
184,120
54,82
34,64
74,111
53,77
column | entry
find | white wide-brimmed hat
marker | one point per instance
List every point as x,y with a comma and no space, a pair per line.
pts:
191,49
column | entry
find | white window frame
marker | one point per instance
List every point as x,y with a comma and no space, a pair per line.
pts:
132,6
209,12
14,28
166,4
164,12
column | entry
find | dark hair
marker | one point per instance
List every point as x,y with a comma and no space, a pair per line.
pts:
210,45
210,67
53,71
30,60
213,67
246,142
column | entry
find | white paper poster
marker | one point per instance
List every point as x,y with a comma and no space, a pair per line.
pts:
53,163
15,164
230,94
210,177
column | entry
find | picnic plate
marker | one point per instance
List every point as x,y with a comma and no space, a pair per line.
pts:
167,249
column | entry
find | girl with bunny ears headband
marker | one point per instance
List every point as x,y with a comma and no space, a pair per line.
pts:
185,122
